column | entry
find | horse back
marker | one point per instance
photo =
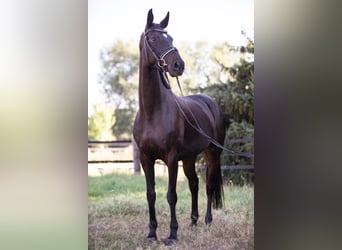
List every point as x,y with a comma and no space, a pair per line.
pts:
202,110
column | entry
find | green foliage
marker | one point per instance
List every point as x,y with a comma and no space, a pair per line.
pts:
239,130
123,125
120,74
234,91
200,69
242,91
119,78
100,123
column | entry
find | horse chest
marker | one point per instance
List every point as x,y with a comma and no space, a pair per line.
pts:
157,139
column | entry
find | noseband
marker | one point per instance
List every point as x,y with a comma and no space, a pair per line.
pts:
160,59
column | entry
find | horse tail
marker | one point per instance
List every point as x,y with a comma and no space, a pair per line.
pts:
218,199
214,177
218,194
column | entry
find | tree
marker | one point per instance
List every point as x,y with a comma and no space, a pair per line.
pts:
119,78
235,94
100,123
200,69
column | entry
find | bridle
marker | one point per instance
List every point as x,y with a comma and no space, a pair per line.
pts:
160,59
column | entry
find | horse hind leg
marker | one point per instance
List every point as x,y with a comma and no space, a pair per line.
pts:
190,173
215,195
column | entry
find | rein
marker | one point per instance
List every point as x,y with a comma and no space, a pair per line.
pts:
198,128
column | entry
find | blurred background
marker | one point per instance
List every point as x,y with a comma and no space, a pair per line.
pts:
45,114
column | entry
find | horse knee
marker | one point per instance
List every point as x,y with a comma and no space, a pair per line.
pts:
171,197
151,196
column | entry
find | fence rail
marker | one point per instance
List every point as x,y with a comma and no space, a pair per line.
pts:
110,144
125,143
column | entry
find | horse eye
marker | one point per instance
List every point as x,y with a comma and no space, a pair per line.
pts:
152,39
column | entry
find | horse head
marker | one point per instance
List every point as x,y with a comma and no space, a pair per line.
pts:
158,48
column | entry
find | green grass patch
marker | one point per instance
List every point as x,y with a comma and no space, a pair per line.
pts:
118,215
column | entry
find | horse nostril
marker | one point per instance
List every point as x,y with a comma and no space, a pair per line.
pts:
179,65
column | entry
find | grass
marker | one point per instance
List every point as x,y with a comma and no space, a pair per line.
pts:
118,216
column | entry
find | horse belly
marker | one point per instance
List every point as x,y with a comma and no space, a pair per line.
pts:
192,146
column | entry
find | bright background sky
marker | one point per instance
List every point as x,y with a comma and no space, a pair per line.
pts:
190,21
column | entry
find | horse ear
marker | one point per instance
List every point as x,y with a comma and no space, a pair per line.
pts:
165,21
149,18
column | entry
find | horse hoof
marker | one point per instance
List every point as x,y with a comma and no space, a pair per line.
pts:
151,239
170,242
193,224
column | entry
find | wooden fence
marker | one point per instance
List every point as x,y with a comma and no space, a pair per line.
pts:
115,146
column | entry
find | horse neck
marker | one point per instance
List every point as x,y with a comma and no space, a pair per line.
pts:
151,91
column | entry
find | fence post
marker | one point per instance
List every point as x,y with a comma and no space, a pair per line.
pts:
136,157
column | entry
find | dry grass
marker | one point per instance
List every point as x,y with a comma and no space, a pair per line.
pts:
118,217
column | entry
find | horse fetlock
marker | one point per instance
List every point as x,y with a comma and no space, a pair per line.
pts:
208,219
193,224
173,234
173,230
153,225
194,219
152,236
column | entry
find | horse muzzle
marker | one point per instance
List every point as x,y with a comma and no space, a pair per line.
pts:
176,68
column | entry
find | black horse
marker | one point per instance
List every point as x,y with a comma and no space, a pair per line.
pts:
173,128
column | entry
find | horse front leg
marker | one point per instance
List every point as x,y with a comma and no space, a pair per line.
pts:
148,167
172,200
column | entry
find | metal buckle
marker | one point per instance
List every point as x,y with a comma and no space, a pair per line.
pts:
162,63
